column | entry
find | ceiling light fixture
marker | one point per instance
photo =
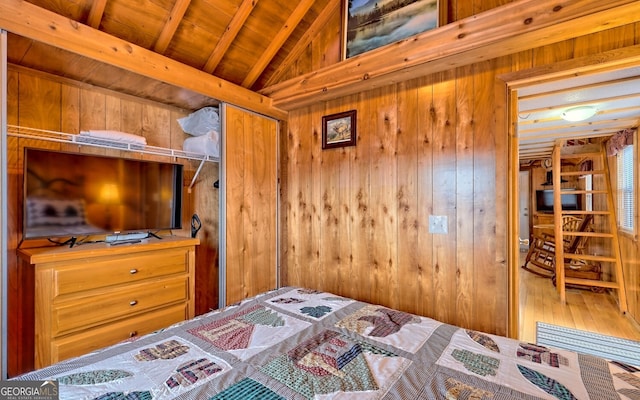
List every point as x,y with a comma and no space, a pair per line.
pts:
579,113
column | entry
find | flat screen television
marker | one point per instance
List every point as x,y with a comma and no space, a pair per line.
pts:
544,201
76,194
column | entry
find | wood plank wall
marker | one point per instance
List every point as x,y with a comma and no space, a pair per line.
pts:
42,101
251,201
629,248
356,218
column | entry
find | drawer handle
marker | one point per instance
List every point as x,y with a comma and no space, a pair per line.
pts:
133,303
132,334
133,271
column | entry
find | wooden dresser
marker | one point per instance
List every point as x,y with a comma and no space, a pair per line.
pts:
95,295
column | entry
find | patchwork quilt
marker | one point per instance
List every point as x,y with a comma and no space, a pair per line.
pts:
296,343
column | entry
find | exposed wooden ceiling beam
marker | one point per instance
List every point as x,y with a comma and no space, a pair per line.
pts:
276,43
508,29
237,22
320,23
96,13
28,20
177,12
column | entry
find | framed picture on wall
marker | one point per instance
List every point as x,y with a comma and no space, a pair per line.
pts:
339,130
369,24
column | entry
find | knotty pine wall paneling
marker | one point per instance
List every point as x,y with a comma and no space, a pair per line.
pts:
415,157
464,142
407,204
383,195
360,182
335,212
444,195
458,166
314,199
424,303
250,147
630,268
43,101
490,197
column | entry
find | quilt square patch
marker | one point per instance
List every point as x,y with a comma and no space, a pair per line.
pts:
396,328
161,370
248,332
310,303
247,389
331,362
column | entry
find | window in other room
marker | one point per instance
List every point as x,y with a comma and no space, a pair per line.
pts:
625,193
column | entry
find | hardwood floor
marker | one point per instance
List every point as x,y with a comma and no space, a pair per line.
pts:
585,310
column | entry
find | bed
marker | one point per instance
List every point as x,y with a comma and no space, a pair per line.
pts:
296,343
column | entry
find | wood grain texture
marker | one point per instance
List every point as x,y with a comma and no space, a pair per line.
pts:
586,310
465,194
315,201
426,130
276,43
461,43
229,34
360,203
444,195
489,199
417,155
331,228
54,29
332,10
66,295
204,201
235,208
457,153
251,195
38,101
407,203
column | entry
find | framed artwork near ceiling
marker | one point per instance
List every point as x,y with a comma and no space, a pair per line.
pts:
369,24
339,130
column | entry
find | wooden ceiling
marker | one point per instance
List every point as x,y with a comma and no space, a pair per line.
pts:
250,43
255,53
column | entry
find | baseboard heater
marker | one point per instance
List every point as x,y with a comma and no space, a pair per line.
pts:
608,347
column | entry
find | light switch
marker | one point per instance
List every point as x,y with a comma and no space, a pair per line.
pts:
438,224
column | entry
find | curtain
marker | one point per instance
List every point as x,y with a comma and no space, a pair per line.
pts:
618,141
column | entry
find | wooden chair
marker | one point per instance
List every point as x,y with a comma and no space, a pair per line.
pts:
542,253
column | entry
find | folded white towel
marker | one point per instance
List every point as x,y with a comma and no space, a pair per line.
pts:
115,136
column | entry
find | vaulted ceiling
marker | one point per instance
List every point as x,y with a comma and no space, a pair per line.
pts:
250,43
140,47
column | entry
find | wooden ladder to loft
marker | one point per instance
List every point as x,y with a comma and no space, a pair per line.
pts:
596,153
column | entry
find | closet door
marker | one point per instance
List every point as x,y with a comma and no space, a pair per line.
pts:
248,205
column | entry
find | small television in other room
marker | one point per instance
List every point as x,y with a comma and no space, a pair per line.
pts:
544,201
76,194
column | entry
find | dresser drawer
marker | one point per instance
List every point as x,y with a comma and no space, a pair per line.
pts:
80,313
103,272
102,336
95,295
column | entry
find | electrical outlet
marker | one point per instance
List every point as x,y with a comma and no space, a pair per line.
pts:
438,224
